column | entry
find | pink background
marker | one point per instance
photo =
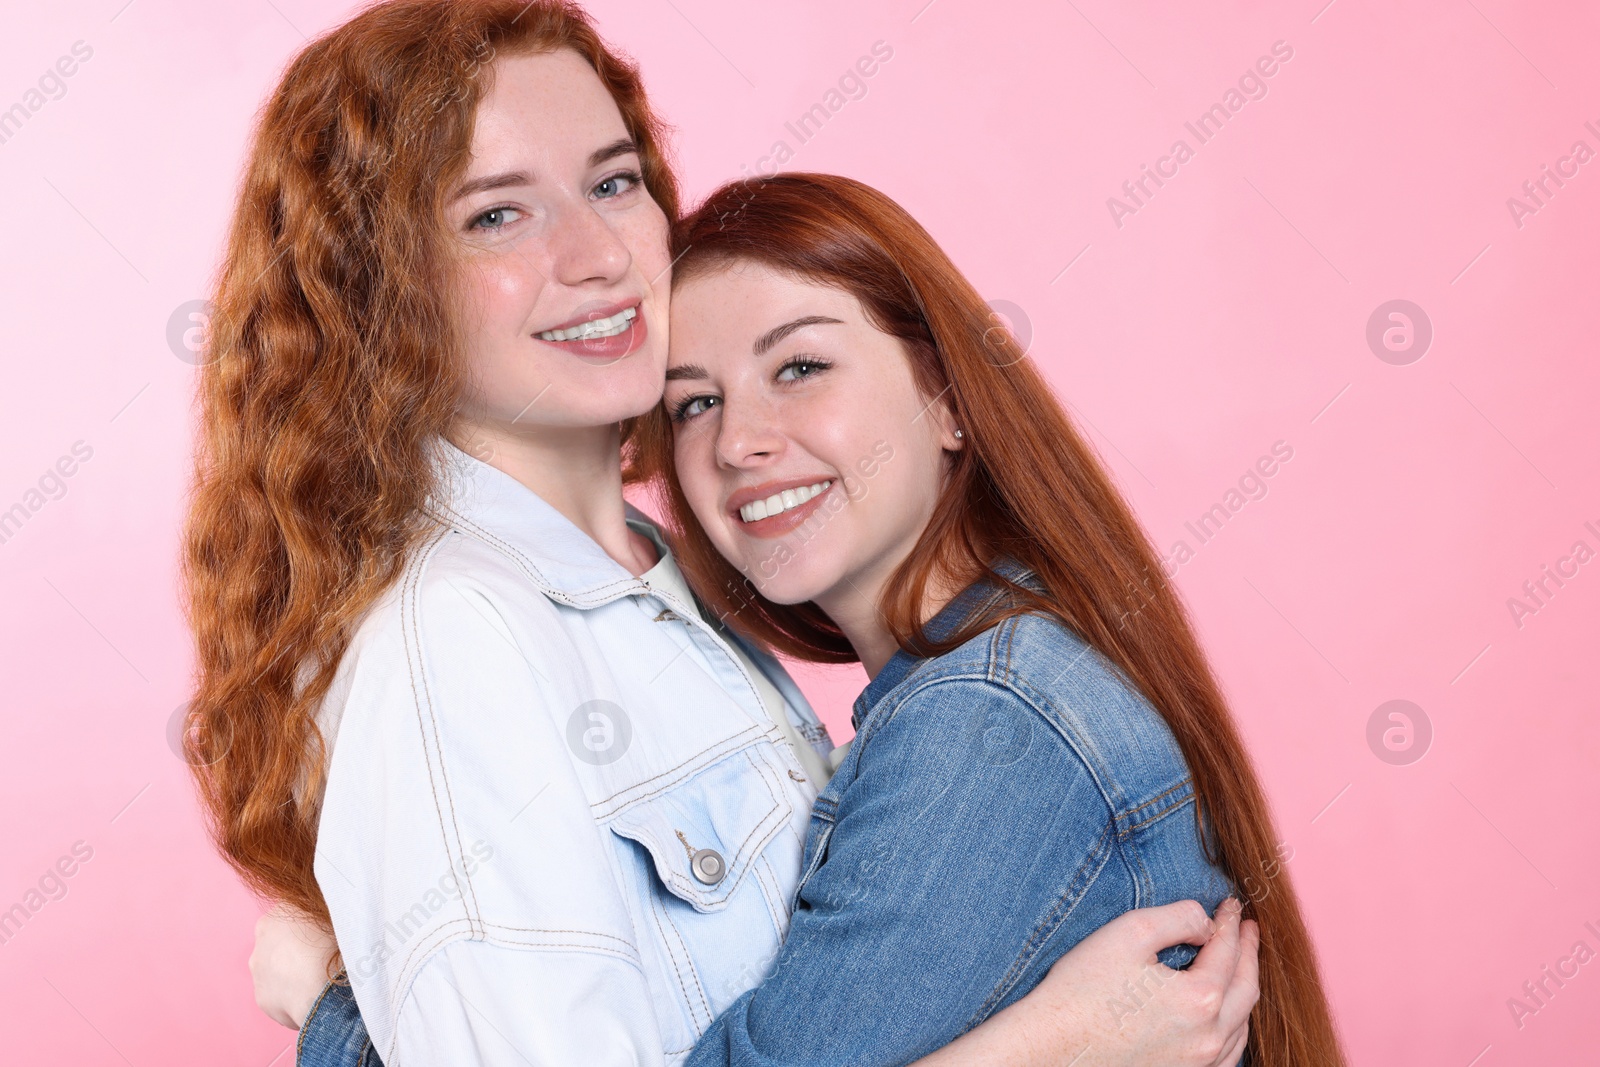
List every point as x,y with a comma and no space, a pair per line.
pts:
1227,313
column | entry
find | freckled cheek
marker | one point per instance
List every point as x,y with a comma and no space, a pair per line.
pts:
506,289
838,431
883,482
646,236
701,487
914,496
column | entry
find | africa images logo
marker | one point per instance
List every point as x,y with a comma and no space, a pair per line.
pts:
599,732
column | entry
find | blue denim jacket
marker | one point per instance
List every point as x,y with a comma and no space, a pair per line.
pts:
998,804
332,1034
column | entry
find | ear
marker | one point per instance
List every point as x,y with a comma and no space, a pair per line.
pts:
952,436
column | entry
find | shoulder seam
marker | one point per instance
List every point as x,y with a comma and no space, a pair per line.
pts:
418,669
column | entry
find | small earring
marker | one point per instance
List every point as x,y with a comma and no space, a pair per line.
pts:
959,434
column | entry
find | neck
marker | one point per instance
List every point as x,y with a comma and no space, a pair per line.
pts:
853,607
576,470
855,612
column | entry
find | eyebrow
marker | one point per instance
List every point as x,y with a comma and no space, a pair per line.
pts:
491,182
763,345
766,341
687,372
621,147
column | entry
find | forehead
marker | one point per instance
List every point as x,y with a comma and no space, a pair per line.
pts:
734,304
541,103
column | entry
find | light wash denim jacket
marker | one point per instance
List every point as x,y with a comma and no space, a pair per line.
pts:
998,804
559,826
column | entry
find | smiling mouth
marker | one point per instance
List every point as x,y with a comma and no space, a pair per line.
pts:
778,503
594,330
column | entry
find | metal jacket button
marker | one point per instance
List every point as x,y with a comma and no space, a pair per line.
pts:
708,866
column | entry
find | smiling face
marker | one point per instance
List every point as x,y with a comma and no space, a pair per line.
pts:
800,438
565,259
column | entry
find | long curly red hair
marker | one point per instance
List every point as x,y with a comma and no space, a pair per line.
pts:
333,363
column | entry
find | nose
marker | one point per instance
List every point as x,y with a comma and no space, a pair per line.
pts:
584,246
748,433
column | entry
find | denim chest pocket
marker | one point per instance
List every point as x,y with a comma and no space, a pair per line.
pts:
705,833
708,862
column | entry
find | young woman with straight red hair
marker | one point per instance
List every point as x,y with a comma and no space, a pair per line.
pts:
455,705
862,466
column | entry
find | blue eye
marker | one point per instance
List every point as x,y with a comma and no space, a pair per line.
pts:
690,406
801,368
614,186
494,219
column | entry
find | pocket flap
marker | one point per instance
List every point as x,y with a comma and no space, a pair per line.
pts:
725,814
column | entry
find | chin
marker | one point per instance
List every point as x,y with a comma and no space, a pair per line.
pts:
785,577
625,395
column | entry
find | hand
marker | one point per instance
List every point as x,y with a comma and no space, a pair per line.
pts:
1110,1003
289,964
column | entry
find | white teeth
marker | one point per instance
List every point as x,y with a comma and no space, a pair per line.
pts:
778,503
588,331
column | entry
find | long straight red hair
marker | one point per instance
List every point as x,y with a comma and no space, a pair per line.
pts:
334,364
1025,486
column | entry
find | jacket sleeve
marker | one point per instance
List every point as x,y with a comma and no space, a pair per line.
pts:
474,903
332,1033
957,869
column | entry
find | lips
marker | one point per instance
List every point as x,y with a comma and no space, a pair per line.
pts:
601,332
775,508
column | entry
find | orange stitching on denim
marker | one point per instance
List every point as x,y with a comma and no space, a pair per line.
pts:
517,556
671,954
765,780
558,930
305,1024
599,806
770,893
409,590
443,934
656,912
1158,816
1157,797
700,892
476,909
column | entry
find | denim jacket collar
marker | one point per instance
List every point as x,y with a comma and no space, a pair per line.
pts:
566,564
944,623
